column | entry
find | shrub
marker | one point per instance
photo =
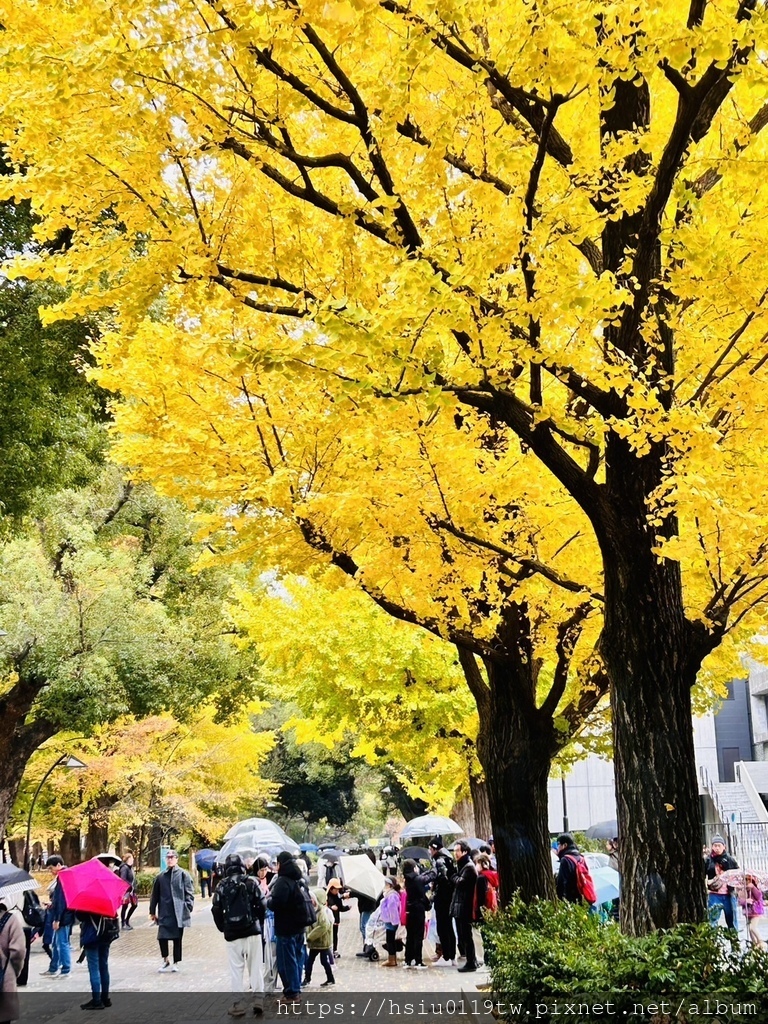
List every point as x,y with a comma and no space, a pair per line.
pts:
547,952
145,880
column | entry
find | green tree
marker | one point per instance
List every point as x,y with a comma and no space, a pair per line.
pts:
104,617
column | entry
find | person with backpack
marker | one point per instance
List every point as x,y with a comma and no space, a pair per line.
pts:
291,903
320,941
13,950
487,888
463,903
97,933
238,910
574,882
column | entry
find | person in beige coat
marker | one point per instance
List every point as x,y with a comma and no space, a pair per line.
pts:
13,949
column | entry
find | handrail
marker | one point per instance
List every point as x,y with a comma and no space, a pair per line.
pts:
750,788
709,786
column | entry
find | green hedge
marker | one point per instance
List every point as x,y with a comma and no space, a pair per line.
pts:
145,880
556,952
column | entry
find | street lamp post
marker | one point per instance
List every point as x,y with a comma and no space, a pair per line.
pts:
68,762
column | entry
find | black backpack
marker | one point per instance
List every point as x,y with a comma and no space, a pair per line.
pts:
232,906
305,906
33,911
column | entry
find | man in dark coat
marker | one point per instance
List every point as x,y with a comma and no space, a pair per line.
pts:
720,898
569,854
287,904
441,904
62,919
170,907
463,902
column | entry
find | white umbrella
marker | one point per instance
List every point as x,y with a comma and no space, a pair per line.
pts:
251,843
270,829
430,825
360,875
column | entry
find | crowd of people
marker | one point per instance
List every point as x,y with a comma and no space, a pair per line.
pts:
276,925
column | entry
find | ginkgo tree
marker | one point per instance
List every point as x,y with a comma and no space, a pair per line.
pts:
509,254
194,777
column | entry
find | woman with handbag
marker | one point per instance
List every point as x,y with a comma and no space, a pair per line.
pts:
97,933
130,900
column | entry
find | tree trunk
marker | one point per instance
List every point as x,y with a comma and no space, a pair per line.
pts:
97,836
69,846
652,653
18,742
514,745
463,814
480,807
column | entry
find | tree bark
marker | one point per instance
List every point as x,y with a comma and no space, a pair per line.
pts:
19,739
70,847
514,745
480,807
652,653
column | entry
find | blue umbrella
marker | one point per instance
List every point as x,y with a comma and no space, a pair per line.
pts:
607,884
308,848
206,859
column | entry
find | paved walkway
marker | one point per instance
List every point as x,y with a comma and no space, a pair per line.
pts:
135,958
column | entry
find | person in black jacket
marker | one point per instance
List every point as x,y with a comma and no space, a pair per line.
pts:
416,906
287,904
569,854
336,896
238,911
463,903
130,900
445,869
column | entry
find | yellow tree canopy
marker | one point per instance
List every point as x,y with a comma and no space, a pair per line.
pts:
353,672
198,776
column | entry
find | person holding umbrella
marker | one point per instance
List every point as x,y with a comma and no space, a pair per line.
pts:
170,907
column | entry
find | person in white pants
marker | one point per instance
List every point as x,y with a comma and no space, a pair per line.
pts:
238,909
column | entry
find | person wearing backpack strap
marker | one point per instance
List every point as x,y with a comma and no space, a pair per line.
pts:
238,909
13,950
97,933
571,885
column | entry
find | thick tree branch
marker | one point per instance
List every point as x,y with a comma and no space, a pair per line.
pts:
568,633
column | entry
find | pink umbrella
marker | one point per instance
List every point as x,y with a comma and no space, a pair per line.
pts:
92,888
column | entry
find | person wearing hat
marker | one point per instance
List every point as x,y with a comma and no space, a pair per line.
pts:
720,895
170,907
441,904
337,906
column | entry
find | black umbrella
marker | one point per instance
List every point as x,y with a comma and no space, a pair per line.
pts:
603,830
14,880
415,853
331,855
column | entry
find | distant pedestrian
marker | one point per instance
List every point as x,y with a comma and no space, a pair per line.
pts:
336,896
290,902
204,878
442,887
720,894
463,903
170,907
752,902
569,854
389,910
62,919
320,941
97,933
238,910
130,900
416,906
486,889
13,950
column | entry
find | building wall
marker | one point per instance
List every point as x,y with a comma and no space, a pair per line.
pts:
589,788
732,730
